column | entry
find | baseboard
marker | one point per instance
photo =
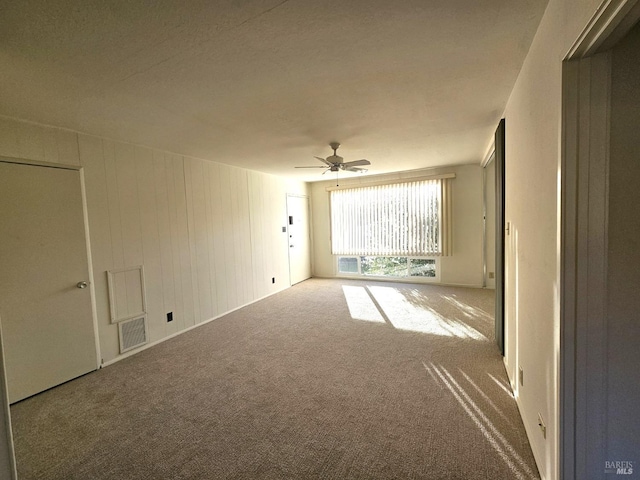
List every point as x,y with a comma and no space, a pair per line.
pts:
173,335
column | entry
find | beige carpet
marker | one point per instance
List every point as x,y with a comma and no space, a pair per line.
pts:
329,379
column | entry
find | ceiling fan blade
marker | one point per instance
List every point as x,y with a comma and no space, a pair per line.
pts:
324,160
315,166
356,163
356,169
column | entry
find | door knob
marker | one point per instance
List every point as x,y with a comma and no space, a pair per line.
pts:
81,285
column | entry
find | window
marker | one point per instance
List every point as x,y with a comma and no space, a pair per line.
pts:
422,267
399,267
348,265
384,266
409,219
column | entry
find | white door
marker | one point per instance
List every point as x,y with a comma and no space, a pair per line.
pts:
47,324
299,243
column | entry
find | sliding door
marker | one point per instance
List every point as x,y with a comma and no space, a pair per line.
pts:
500,232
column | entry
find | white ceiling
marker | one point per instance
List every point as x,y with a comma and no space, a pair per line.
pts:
267,84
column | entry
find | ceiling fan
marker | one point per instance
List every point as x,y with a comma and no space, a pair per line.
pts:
335,163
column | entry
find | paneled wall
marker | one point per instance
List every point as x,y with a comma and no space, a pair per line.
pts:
209,235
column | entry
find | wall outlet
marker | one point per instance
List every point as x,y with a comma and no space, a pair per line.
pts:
492,275
543,427
170,317
284,229
521,376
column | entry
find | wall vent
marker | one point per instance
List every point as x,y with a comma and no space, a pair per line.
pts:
133,333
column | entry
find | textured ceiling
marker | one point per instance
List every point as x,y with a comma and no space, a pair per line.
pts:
267,84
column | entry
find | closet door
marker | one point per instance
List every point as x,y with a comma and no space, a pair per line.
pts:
45,299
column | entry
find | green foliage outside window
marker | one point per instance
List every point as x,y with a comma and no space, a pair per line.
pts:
398,267
422,267
384,266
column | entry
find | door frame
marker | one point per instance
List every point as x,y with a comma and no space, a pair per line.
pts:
309,236
586,78
85,215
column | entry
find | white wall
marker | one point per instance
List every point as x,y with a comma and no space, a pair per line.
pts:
209,235
533,134
463,267
490,247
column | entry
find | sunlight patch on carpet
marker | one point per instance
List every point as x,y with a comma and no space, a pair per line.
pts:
404,313
361,307
496,439
468,310
504,387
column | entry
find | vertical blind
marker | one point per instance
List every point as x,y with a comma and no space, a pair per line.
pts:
408,219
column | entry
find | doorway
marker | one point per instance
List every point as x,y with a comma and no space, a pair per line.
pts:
48,327
299,240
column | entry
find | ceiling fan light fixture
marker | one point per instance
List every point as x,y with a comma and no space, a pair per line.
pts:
335,163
